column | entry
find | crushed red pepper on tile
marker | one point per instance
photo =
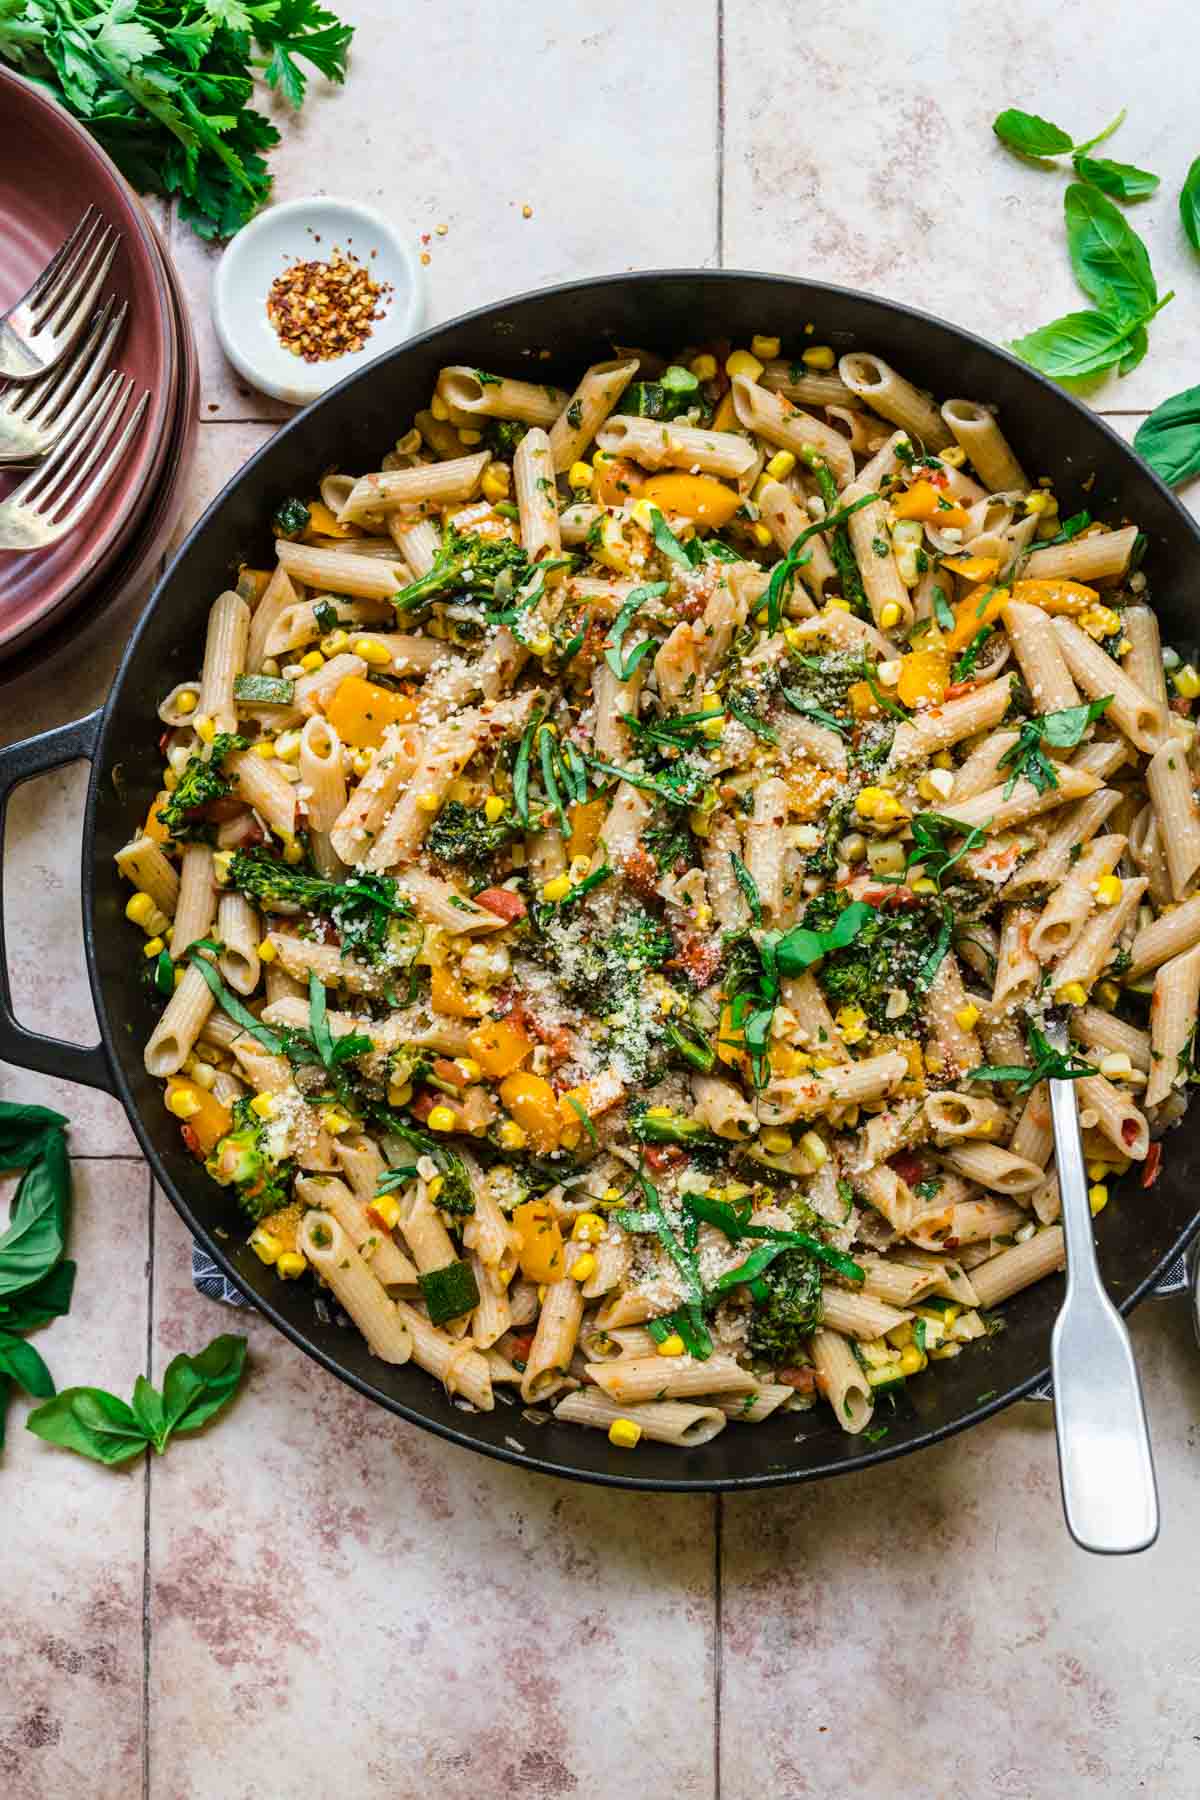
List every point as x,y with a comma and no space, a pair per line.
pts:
325,309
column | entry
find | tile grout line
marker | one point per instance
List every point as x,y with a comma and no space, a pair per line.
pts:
718,1525
720,145
146,1496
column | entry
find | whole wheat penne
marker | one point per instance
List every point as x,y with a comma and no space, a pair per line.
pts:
773,417
870,540
878,385
670,445
1089,558
143,863
940,726
976,431
1040,655
1104,1108
1171,785
993,1167
1173,1007
841,1380
1005,1275
1088,956
1100,677
593,400
660,1421
497,397
433,484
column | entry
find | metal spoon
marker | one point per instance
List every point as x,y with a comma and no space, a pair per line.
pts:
1104,1461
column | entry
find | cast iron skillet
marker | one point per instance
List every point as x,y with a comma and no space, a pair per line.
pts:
352,427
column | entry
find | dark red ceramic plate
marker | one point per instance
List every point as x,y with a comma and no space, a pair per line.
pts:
85,618
50,170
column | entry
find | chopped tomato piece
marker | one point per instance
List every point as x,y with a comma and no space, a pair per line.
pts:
802,1379
907,1166
1152,1165
503,902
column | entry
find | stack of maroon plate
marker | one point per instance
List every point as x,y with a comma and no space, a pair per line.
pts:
50,171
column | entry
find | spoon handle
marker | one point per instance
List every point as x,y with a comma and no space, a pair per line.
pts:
1104,1461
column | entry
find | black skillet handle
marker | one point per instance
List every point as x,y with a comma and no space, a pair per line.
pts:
86,1063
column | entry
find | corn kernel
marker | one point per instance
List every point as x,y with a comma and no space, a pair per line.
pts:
292,852
140,910
866,801
1100,621
954,456
181,1103
1108,890
912,1360
1116,1065
203,1075
469,435
311,661
263,1106
923,885
584,1267
373,652
291,1265
813,1145
438,408
287,746
1186,682
819,356
511,1136
671,1346
761,535
781,465
557,889
265,1245
386,1208
888,808
1072,994
836,604
625,1434
967,1017
743,362
441,1119
222,862
852,1023
267,951
1107,994
704,366
362,759
580,475
335,643
496,482
889,615
428,802
335,1122
1040,501
764,347
776,1143
400,1093
434,1188
206,730
154,946
936,784
186,702
265,747
493,809
1098,1197
1097,1171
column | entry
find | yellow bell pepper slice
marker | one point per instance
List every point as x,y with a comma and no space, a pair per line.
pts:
531,1101
1066,597
541,1253
361,711
923,501
499,1046
322,523
210,1121
698,497
982,606
924,678
973,568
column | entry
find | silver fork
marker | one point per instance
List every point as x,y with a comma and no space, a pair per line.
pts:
1104,1461
35,417
58,494
44,324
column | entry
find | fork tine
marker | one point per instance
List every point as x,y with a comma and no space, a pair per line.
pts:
86,451
79,299
68,382
56,261
38,483
100,478
49,296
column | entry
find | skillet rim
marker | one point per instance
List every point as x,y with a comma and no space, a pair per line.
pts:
876,1454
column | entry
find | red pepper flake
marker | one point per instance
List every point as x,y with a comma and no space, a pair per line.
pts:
324,309
1151,1166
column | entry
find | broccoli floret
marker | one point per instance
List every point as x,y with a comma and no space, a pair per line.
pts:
242,1160
503,435
888,952
466,566
465,834
362,908
787,1307
455,1197
290,519
676,392
203,780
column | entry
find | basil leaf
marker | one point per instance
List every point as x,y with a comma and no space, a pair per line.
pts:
755,1263
623,669
817,713
1169,440
521,768
1122,180
20,1128
1139,343
34,1240
1030,135
21,1362
90,1422
1189,205
748,885
1110,260
148,1411
241,1015
943,612
48,1299
668,543
800,947
1065,728
1078,344
197,1387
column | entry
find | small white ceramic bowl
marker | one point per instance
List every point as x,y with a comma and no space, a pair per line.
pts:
308,231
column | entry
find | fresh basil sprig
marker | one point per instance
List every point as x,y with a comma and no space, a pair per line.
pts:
1189,205
1062,730
35,1282
1112,266
97,1424
1047,1064
748,885
624,666
1030,135
1169,440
